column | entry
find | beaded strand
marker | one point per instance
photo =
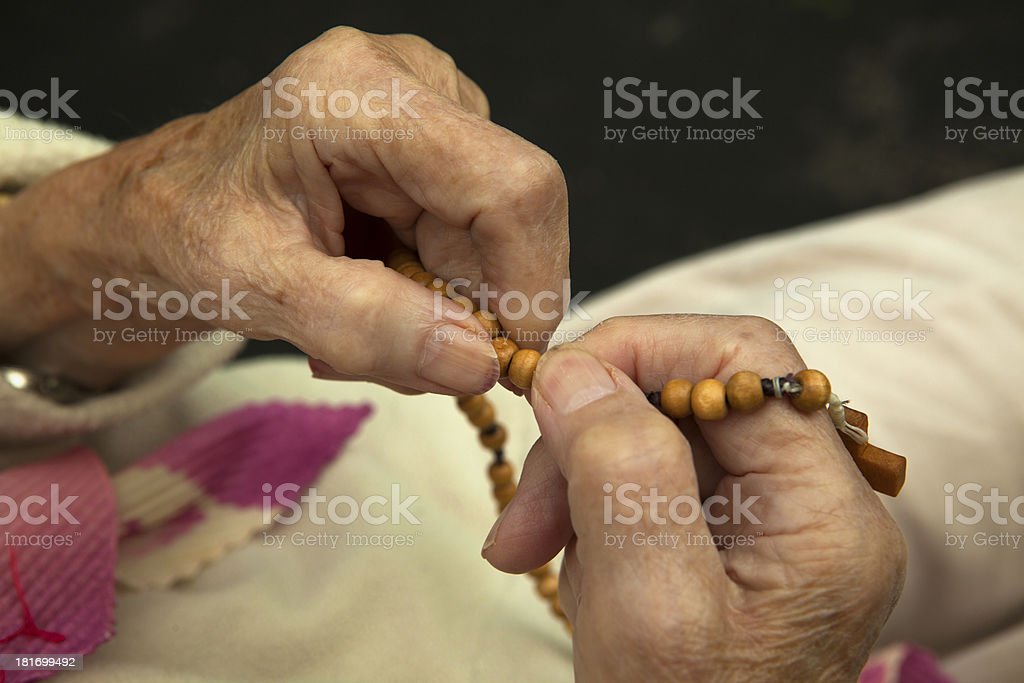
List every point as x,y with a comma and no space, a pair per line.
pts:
707,400
516,364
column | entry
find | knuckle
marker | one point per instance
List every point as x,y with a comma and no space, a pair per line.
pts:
534,179
756,328
758,340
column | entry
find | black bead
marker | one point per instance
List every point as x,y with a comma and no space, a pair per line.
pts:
766,387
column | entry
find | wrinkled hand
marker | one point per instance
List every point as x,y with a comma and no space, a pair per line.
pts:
797,592
289,198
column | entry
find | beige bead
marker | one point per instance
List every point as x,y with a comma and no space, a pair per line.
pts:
547,586
522,366
470,402
707,400
503,493
399,257
489,322
482,416
505,348
675,398
815,392
493,438
744,391
410,268
500,473
424,277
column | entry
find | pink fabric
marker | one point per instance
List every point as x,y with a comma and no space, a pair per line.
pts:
903,663
58,599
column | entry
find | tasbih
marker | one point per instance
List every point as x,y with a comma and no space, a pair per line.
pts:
706,400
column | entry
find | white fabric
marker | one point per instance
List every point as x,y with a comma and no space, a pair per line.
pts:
32,149
436,611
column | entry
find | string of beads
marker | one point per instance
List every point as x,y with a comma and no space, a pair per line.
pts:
518,365
706,400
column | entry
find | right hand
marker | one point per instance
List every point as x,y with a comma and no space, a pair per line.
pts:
805,596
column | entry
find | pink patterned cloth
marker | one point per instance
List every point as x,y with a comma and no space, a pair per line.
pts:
175,511
903,663
58,524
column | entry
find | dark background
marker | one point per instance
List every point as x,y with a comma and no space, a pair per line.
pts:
851,95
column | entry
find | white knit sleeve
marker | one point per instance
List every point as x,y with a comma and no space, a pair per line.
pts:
29,150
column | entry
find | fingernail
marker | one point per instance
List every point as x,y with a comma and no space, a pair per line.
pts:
569,380
460,359
492,535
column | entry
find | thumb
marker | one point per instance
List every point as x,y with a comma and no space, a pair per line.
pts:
367,322
600,434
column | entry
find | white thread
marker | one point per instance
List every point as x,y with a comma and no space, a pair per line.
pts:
776,387
838,415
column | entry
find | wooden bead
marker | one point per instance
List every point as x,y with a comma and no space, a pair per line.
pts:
815,392
424,278
541,570
399,257
489,322
522,366
410,269
505,348
470,402
503,493
547,586
743,392
482,416
675,398
493,437
5,199
707,400
500,473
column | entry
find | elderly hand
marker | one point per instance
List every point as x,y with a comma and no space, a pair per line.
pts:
797,590
288,191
